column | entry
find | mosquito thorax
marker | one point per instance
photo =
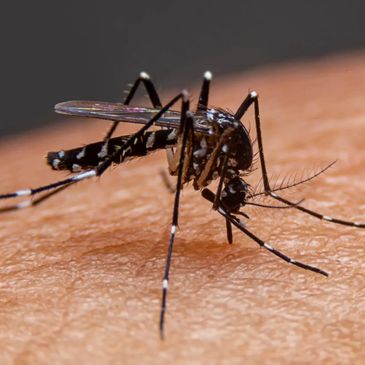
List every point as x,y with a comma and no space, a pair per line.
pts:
241,150
209,150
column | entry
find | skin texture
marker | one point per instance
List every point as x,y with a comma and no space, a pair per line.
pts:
80,275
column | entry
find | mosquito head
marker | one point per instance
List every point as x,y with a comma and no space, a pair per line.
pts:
234,194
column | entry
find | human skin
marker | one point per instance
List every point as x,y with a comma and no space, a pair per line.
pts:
80,275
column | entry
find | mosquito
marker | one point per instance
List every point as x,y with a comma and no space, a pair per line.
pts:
205,145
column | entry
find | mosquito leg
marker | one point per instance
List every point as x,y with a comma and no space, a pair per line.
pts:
34,202
152,93
211,163
119,155
272,249
186,127
172,158
56,185
150,87
217,200
220,184
209,195
316,214
204,93
253,98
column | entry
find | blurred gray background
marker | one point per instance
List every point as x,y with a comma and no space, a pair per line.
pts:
55,51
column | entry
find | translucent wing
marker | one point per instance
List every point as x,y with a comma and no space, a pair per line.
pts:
117,112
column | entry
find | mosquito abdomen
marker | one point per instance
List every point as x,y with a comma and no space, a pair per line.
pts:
89,156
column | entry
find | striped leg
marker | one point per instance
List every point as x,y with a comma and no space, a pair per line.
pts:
204,93
34,202
224,141
185,129
252,98
209,195
119,155
152,93
316,214
202,106
218,194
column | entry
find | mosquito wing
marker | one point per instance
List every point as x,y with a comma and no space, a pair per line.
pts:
118,112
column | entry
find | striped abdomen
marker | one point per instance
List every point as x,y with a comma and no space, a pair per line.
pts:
89,156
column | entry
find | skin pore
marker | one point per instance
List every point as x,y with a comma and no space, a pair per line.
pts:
80,275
